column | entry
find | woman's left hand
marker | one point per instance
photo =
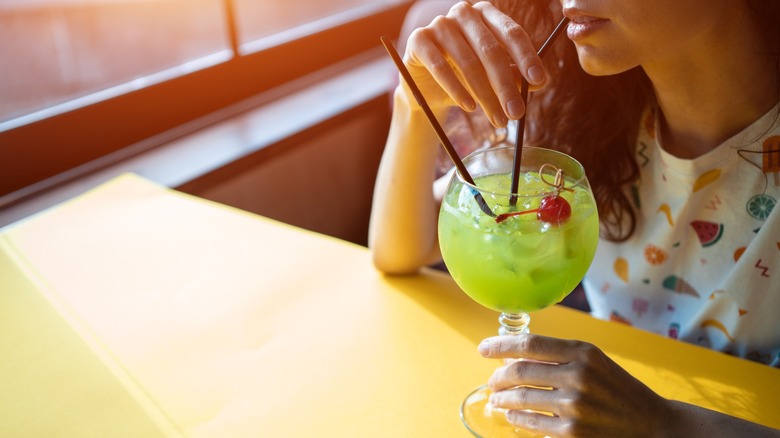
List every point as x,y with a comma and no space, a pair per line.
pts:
585,391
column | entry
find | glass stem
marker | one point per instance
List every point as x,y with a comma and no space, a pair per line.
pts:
513,323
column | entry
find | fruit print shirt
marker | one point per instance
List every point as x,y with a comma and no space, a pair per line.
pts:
704,262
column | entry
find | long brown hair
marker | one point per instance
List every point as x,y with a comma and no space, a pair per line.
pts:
597,119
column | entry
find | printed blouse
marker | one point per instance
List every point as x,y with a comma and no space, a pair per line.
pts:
703,265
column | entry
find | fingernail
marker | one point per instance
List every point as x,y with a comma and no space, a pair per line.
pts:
469,105
536,75
484,347
500,120
515,108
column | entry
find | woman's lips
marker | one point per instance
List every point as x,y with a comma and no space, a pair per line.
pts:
582,26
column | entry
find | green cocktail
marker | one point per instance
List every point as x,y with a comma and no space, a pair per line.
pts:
521,264
528,254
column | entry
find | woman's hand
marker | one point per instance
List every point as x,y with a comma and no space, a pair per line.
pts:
587,393
474,56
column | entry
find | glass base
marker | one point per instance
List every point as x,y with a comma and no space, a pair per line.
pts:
485,421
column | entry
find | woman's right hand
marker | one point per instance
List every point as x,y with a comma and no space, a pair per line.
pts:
473,56
465,58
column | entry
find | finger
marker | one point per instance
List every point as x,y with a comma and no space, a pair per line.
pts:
539,423
516,42
526,397
468,65
528,373
519,79
422,51
496,86
531,346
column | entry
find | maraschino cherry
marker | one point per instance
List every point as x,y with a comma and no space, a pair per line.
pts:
553,208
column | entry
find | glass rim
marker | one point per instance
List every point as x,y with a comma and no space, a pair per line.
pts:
484,150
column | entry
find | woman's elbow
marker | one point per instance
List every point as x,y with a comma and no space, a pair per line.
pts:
392,263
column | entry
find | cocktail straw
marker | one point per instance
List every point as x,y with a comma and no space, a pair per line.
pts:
521,123
464,173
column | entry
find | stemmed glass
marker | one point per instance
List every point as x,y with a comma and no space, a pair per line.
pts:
529,254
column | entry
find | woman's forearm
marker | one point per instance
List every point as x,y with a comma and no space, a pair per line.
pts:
694,421
402,229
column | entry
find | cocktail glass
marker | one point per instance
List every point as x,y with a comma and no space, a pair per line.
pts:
528,256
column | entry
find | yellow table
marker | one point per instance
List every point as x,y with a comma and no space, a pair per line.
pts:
138,311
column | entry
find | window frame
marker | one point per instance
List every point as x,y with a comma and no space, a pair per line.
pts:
42,154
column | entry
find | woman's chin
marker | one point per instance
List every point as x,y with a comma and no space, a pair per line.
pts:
598,64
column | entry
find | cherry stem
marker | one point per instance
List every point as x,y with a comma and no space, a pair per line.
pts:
504,216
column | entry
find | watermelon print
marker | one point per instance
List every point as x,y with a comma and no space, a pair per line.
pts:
709,233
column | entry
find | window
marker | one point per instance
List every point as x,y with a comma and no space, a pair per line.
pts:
260,22
81,80
58,51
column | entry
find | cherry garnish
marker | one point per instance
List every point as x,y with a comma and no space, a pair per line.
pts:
552,209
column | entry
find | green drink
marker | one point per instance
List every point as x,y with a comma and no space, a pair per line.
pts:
516,252
521,264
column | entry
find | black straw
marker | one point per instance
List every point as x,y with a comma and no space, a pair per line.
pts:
464,173
521,123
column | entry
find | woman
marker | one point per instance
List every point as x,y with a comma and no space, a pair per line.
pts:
672,107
